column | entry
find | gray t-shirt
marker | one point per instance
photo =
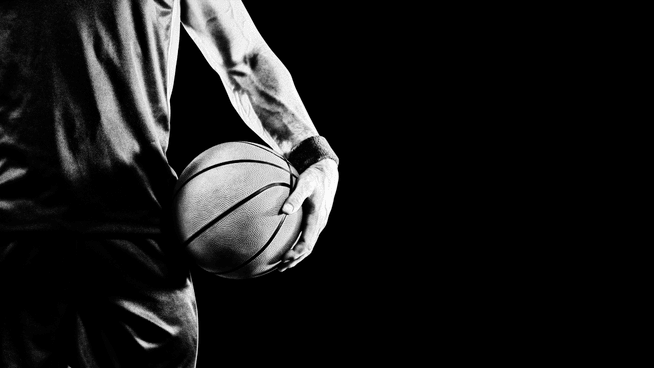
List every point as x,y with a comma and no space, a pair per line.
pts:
85,90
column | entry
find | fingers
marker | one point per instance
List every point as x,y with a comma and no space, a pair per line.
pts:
303,190
314,193
305,244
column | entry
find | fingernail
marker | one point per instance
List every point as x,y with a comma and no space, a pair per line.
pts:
288,208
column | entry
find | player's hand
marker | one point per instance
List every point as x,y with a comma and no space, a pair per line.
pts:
315,191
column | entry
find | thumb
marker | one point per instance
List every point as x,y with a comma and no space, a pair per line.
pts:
297,197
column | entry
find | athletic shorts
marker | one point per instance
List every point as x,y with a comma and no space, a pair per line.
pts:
71,301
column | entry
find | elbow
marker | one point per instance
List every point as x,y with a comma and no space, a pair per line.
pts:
259,66
242,67
246,57
241,72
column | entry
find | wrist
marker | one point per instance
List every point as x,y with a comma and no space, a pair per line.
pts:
310,151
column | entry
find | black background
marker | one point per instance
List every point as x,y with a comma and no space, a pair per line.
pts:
426,249
433,241
333,306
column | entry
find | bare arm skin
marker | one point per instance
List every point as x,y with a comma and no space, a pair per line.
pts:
258,83
263,93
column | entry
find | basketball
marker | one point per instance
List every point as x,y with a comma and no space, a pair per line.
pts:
227,209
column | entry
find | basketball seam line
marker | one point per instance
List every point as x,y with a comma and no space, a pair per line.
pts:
265,149
292,175
288,163
270,240
266,271
272,237
224,164
230,210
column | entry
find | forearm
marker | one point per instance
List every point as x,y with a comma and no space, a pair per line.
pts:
258,84
274,98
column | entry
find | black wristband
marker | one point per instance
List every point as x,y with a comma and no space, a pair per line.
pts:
310,151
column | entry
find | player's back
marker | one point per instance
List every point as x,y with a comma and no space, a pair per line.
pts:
84,113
